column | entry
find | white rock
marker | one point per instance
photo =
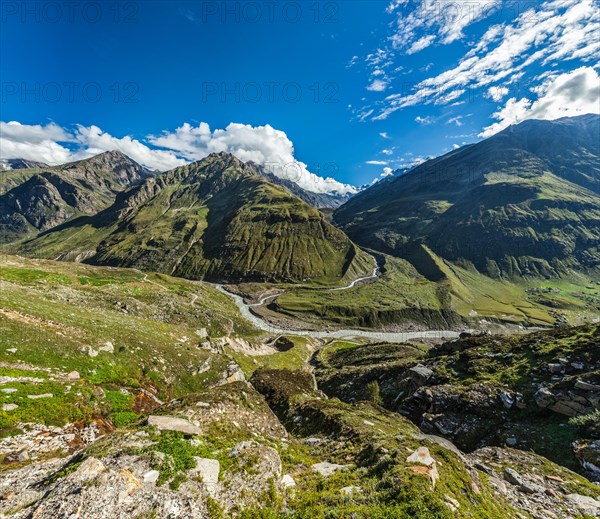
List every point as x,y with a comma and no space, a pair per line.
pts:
88,470
108,347
172,423
287,481
12,350
350,491
45,395
8,390
74,375
421,456
151,476
366,422
588,505
209,470
326,469
9,407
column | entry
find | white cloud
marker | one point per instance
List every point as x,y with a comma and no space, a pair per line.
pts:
420,44
496,93
443,21
455,120
377,162
387,151
377,85
569,94
387,172
553,31
384,135
261,144
424,120
34,142
47,144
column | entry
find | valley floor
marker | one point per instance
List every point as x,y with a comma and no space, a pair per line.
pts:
131,394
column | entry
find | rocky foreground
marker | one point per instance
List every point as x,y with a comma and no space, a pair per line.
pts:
276,446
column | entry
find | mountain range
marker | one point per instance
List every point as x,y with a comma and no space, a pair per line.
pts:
37,197
218,219
524,202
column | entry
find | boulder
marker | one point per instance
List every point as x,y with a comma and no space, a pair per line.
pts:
172,423
587,505
209,470
326,469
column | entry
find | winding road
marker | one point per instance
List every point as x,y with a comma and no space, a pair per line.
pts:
393,337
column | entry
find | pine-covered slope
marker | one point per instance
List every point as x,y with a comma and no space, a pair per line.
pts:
215,219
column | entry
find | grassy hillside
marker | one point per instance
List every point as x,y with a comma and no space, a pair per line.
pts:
119,329
37,199
214,219
510,205
440,294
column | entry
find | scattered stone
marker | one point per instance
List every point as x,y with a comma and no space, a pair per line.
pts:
532,488
511,442
326,469
172,423
8,390
452,503
208,469
108,347
507,399
422,456
88,470
202,333
12,350
350,491
133,483
99,392
313,442
555,368
370,424
44,395
513,477
151,476
586,386
74,375
483,467
287,481
9,407
587,505
420,374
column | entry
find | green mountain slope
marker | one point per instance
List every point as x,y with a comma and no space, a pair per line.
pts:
215,219
523,202
39,198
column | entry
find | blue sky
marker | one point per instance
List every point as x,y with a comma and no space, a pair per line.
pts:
348,89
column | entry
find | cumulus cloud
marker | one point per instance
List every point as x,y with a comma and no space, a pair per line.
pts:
263,145
54,145
34,142
569,94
